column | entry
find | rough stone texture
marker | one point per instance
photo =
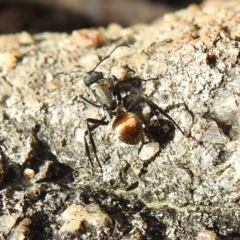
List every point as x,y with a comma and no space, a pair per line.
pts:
189,189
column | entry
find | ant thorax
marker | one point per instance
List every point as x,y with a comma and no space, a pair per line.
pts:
102,92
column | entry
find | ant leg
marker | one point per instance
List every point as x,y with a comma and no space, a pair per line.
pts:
90,103
87,151
156,108
96,122
66,73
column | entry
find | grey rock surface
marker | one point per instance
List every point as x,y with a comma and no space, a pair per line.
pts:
187,188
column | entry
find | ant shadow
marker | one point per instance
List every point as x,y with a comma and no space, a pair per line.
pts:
157,129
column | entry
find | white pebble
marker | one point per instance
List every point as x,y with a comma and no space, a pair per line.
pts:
149,150
28,173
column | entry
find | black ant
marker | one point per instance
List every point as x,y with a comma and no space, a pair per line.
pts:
127,125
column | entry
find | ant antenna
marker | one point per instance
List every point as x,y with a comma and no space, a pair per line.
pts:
94,76
68,73
121,45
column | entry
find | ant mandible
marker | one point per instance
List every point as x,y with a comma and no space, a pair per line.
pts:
127,125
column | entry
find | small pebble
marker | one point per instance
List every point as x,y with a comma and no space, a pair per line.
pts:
75,215
88,38
149,150
207,235
29,173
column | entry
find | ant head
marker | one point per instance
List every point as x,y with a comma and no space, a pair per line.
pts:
92,77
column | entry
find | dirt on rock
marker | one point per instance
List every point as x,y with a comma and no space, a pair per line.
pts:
185,185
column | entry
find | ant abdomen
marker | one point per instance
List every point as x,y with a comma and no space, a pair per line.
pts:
128,128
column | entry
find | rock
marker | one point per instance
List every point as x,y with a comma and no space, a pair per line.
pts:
22,231
187,63
7,223
75,218
149,150
207,235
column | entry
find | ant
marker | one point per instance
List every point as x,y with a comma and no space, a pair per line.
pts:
127,125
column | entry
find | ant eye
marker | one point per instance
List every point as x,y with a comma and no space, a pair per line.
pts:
128,128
